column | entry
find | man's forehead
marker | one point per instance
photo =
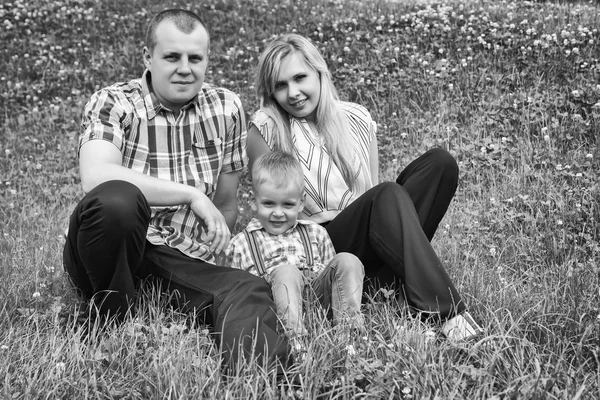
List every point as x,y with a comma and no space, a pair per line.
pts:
168,30
171,38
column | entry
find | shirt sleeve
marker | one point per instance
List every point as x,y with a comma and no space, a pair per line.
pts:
265,126
104,117
234,152
324,244
237,254
232,257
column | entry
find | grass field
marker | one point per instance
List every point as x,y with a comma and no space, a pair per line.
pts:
510,88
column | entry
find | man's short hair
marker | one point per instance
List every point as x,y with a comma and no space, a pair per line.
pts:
278,167
186,21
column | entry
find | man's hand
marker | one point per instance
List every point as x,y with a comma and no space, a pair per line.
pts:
217,231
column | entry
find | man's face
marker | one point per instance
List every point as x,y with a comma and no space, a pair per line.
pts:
177,64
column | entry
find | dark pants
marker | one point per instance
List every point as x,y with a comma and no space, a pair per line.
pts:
389,228
106,253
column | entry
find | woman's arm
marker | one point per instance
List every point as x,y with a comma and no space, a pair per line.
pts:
374,160
256,145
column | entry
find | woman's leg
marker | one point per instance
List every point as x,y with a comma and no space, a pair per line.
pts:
383,230
239,303
105,244
431,182
287,284
339,287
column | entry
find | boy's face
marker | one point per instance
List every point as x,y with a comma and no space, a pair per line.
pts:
277,206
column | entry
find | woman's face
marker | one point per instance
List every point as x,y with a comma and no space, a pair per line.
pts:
298,88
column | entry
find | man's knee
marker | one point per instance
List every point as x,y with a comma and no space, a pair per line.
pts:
119,205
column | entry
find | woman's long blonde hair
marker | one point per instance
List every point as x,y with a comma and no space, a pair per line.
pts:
331,121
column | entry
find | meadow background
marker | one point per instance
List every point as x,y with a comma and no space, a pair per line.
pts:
510,88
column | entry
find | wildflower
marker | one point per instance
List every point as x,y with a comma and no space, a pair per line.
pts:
404,135
559,222
60,367
350,350
36,295
589,155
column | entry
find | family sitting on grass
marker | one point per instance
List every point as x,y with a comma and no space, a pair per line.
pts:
160,160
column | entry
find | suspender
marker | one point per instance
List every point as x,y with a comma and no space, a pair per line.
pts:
306,243
257,258
258,261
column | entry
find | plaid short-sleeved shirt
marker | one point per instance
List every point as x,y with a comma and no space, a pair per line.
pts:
276,250
206,139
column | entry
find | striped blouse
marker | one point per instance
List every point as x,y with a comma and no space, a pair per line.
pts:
326,191
206,139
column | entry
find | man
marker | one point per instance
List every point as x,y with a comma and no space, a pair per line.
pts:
160,159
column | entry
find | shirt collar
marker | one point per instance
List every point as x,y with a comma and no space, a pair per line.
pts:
255,225
153,105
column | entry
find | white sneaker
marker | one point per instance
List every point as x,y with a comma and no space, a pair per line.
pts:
462,327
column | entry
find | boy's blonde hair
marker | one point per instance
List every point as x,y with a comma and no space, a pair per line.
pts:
278,167
331,120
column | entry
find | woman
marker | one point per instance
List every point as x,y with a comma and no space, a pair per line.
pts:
389,225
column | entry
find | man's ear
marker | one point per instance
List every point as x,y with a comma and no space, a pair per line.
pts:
147,57
252,200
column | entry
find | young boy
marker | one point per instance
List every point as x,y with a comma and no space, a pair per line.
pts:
289,252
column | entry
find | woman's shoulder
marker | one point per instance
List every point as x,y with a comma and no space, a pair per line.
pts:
260,118
354,110
265,125
360,120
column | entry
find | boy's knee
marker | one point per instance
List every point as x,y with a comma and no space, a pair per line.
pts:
348,263
286,273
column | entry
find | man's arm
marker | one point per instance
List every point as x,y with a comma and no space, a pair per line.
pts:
100,161
225,198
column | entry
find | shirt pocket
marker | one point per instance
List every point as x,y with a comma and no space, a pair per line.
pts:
207,160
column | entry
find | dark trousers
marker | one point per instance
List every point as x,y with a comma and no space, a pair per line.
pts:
106,253
389,228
